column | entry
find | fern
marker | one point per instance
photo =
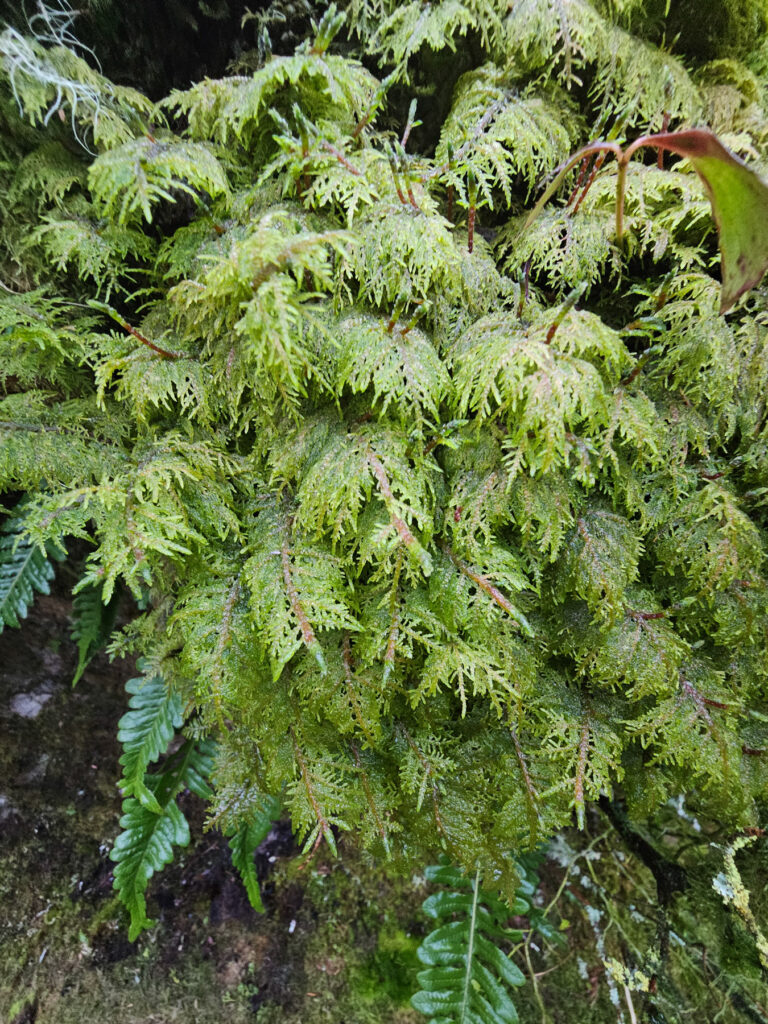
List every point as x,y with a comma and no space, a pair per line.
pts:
25,570
497,133
446,527
144,846
145,731
468,976
146,843
244,841
152,821
92,624
134,177
411,26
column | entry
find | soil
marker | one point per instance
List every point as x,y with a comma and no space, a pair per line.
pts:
337,940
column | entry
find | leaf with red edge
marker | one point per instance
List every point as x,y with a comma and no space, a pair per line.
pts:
739,199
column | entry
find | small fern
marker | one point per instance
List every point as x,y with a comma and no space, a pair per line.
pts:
245,839
152,821
25,570
144,846
468,976
92,623
145,732
146,843
134,177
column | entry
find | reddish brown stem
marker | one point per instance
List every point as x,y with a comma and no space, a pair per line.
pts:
409,124
579,179
570,301
716,704
664,126
164,352
531,795
307,632
471,229
581,769
322,821
482,582
382,480
590,180
365,783
340,157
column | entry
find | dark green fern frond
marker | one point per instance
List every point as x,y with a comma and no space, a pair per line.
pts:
246,838
152,821
145,732
143,847
25,570
146,843
92,624
468,977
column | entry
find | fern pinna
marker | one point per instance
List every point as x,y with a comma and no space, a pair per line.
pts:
442,536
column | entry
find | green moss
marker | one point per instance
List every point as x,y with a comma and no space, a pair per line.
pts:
391,970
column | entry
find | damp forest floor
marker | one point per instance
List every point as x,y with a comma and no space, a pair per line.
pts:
337,941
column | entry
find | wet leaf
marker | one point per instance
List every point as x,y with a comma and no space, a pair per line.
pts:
739,200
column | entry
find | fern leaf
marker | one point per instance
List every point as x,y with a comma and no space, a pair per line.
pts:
403,253
600,561
74,238
499,134
144,846
24,571
145,732
411,26
152,829
246,838
92,622
295,591
468,976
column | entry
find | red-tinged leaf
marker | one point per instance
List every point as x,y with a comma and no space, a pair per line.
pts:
739,201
